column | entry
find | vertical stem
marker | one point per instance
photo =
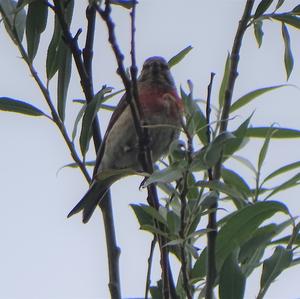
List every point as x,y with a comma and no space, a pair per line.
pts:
233,73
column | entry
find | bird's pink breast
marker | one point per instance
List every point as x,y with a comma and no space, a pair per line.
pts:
160,101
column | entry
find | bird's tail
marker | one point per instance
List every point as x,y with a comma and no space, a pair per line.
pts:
89,201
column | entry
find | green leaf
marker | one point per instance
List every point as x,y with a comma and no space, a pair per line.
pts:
168,174
258,32
288,19
262,7
214,150
152,213
240,133
199,270
288,55
247,163
14,20
260,132
264,148
143,217
273,266
287,239
196,120
63,79
279,4
244,100
282,170
88,118
223,188
296,10
232,178
57,44
35,24
290,183
260,238
242,225
77,120
13,105
232,280
52,61
178,57
224,81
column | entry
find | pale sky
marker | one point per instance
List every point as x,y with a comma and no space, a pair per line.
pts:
45,255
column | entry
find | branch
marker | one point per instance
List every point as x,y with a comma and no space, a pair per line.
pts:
233,73
84,67
141,130
55,117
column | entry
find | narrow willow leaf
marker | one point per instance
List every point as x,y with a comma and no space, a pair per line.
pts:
286,240
258,32
196,121
264,148
151,212
232,280
88,118
224,82
288,19
14,20
52,61
232,178
242,225
35,24
77,120
273,266
279,4
143,217
75,165
296,10
282,170
63,79
56,43
214,150
260,132
260,238
262,7
221,187
13,105
199,270
168,174
178,57
244,100
290,183
288,55
245,162
235,144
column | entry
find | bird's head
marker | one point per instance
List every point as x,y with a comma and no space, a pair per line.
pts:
156,70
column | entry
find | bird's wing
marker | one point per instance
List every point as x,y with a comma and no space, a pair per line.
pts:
118,110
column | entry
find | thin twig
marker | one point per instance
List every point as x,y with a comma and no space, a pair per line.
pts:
150,259
212,216
55,117
234,58
142,132
183,224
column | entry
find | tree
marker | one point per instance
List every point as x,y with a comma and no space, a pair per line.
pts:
199,176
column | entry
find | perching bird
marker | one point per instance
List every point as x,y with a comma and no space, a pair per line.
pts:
162,110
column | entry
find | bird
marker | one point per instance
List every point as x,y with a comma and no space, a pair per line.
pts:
161,109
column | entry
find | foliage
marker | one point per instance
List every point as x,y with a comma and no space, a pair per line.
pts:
192,190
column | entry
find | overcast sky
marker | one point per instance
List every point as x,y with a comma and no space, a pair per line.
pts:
45,255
